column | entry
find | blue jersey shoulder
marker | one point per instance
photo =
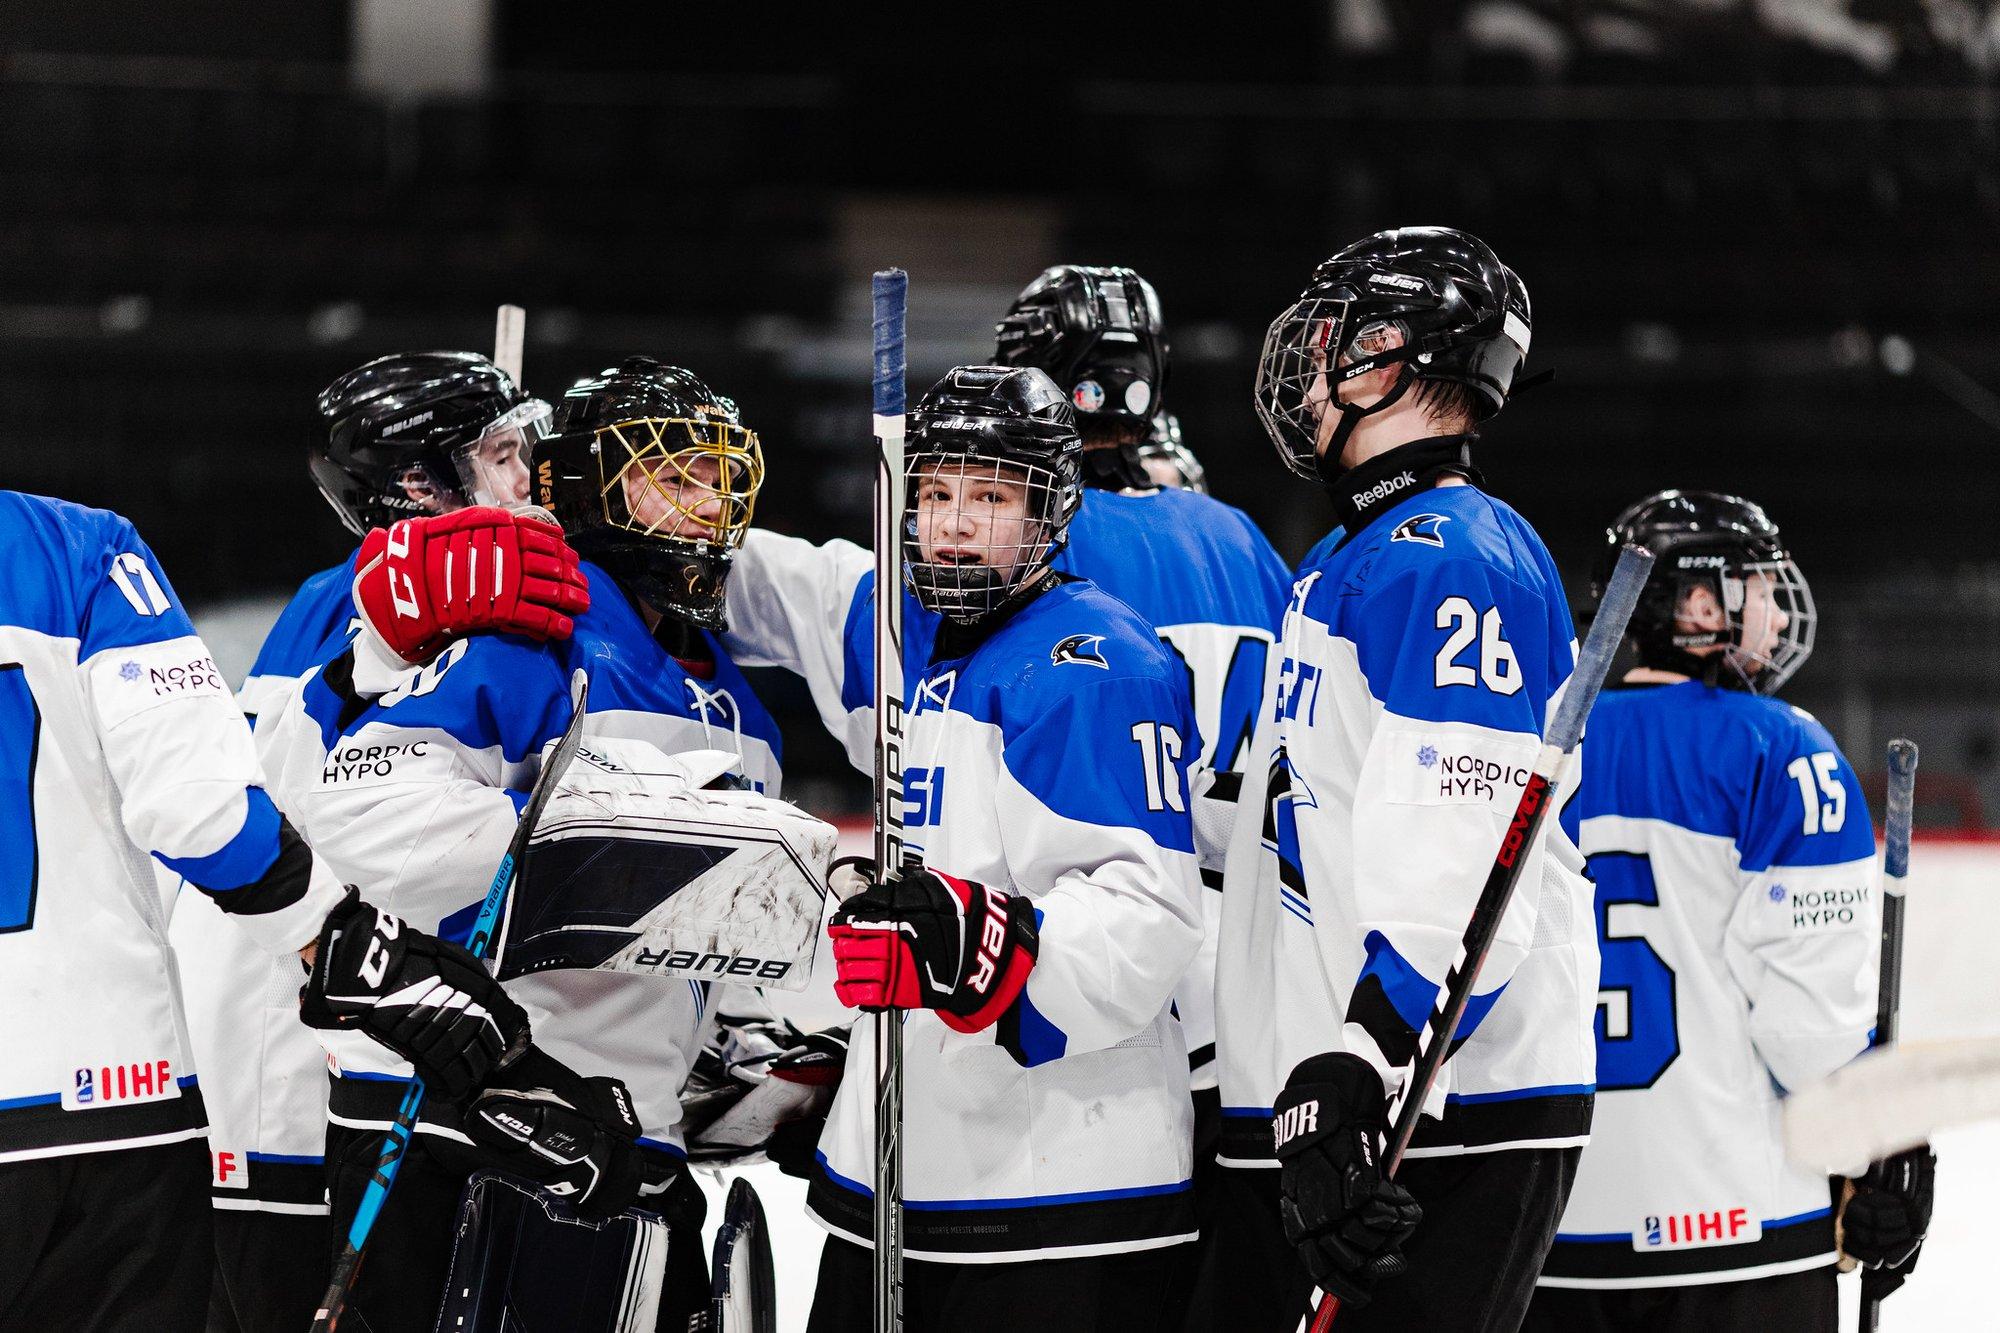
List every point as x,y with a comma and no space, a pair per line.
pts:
1177,557
1728,764
1460,524
314,625
1076,635
83,573
1454,608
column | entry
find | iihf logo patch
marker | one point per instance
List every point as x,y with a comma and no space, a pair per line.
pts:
1080,648
1421,528
1088,396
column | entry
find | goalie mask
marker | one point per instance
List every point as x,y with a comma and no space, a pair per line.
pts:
1098,334
653,476
1433,303
1726,602
992,461
421,433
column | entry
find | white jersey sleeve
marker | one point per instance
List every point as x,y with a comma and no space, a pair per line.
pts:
795,605
1803,942
1458,727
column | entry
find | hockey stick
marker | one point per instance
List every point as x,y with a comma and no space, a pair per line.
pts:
1896,821
1891,1100
510,330
890,293
396,1142
1551,767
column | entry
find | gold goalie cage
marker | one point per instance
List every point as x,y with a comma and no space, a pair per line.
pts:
685,478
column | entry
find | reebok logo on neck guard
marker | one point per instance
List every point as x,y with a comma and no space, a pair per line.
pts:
1383,489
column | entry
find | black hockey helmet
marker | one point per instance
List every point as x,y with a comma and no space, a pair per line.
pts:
1097,332
421,432
1726,544
653,476
990,424
1168,460
1457,315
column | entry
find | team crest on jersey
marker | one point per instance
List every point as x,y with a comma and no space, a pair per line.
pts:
934,693
714,707
1421,528
1083,648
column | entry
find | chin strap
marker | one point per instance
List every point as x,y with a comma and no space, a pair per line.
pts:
1328,464
1363,491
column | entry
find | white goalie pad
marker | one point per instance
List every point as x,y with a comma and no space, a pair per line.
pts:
640,865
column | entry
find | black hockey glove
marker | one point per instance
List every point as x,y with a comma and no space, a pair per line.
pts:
1885,1222
429,1001
576,1137
1347,1220
930,941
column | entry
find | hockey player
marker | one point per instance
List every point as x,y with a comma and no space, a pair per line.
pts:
1167,459
654,477
264,1081
1427,638
120,741
1047,1123
1197,570
1738,919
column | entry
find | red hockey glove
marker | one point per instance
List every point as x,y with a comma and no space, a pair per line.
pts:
427,581
929,941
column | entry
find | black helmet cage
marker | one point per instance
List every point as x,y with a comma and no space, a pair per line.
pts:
1436,303
423,432
1098,333
654,477
1725,544
1163,445
1000,428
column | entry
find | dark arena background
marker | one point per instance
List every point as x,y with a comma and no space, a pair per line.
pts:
1759,236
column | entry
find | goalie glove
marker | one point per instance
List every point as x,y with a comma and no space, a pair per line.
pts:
1346,1219
426,999
576,1137
426,581
930,941
1884,1223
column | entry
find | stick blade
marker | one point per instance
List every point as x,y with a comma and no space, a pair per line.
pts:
1889,1100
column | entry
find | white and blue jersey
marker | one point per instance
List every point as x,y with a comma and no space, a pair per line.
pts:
1050,759
419,790
118,739
1421,656
264,1072
1739,920
1207,581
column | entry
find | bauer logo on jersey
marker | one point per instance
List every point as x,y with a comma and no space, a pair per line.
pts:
146,675
120,1085
1083,649
1697,1230
1423,529
1443,768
